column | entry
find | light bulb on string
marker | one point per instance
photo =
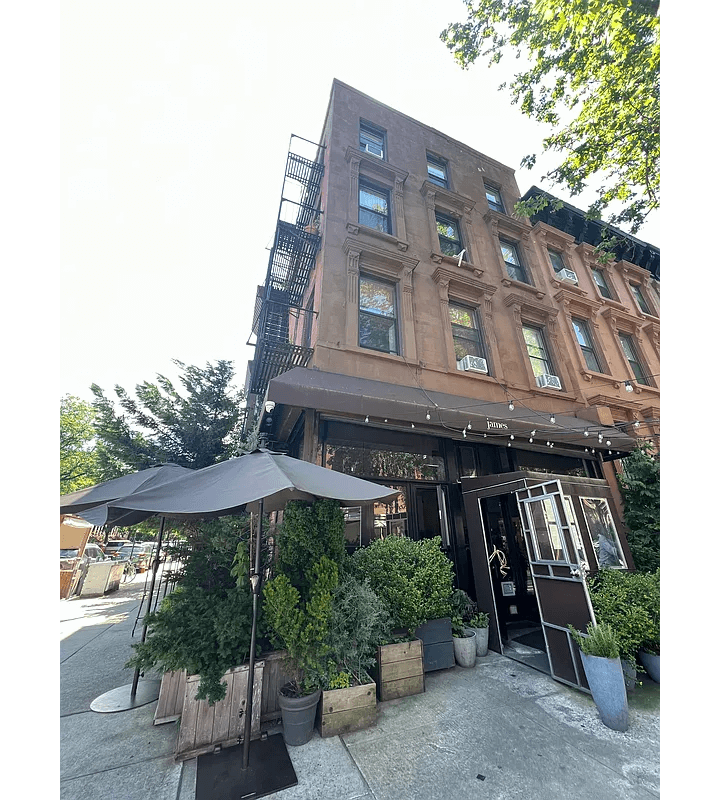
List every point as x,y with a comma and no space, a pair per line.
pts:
512,436
464,433
628,386
531,440
427,416
552,419
412,424
511,406
532,434
552,444
586,432
608,442
367,419
469,426
636,424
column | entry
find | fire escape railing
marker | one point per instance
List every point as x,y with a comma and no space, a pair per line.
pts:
280,322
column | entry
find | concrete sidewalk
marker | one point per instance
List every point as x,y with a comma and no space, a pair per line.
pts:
500,730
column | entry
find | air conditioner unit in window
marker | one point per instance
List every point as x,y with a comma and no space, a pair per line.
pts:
567,275
548,381
473,364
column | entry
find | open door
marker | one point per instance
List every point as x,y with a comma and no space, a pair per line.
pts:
558,573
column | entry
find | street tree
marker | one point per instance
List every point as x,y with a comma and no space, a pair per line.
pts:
195,428
592,74
78,457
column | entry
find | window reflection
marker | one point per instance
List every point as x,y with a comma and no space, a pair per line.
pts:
391,518
353,519
602,532
358,459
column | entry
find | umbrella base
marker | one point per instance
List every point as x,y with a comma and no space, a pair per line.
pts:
220,776
120,700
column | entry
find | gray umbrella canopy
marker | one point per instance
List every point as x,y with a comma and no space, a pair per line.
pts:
103,493
241,483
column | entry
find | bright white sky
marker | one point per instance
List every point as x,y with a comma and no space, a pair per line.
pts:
176,120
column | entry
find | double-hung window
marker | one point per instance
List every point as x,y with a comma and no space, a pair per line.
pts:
378,315
513,265
537,351
467,337
494,198
628,346
449,235
556,260
374,207
372,139
601,283
582,333
640,298
437,171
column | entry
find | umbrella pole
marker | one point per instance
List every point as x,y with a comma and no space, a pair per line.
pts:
156,564
255,585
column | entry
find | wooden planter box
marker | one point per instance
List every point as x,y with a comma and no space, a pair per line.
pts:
204,727
344,710
400,670
438,650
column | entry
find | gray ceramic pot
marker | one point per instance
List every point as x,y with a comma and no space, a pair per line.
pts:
481,641
464,648
651,663
298,716
607,684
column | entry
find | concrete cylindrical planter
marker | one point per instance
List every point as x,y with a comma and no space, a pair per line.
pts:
481,641
651,663
298,716
606,681
465,650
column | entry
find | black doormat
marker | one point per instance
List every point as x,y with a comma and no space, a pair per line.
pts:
533,639
220,776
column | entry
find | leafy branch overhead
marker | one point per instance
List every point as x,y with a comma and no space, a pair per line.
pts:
592,74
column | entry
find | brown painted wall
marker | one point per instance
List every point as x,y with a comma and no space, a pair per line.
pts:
425,279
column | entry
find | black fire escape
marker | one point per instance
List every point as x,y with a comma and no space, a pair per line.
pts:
281,323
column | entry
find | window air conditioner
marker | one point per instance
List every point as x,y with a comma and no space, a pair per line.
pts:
473,364
548,381
567,275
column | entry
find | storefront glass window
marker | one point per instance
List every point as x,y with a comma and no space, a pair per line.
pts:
354,458
548,538
391,518
602,532
353,519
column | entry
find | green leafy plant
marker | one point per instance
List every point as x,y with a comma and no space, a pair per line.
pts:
479,620
458,627
414,579
358,623
640,489
630,603
204,626
301,626
601,640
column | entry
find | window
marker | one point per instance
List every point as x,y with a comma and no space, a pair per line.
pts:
603,535
556,260
640,297
494,199
628,346
374,207
449,234
582,333
437,171
372,139
602,284
466,333
378,315
513,264
537,351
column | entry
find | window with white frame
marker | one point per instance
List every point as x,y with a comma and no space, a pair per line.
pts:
374,207
640,298
556,260
378,323
372,139
601,283
585,341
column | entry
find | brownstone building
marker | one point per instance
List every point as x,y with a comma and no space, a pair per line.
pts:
414,331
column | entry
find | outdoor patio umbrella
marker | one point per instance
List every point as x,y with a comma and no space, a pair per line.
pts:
91,504
258,481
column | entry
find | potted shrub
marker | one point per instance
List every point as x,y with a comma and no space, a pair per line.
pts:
600,655
358,622
649,598
463,643
301,627
414,580
617,600
480,622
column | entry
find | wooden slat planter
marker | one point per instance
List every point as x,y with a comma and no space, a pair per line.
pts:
277,673
400,670
203,727
172,697
344,710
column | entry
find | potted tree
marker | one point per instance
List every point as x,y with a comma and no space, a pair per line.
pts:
358,622
600,655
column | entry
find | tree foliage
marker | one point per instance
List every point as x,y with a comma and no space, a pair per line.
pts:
78,460
593,76
640,489
192,429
